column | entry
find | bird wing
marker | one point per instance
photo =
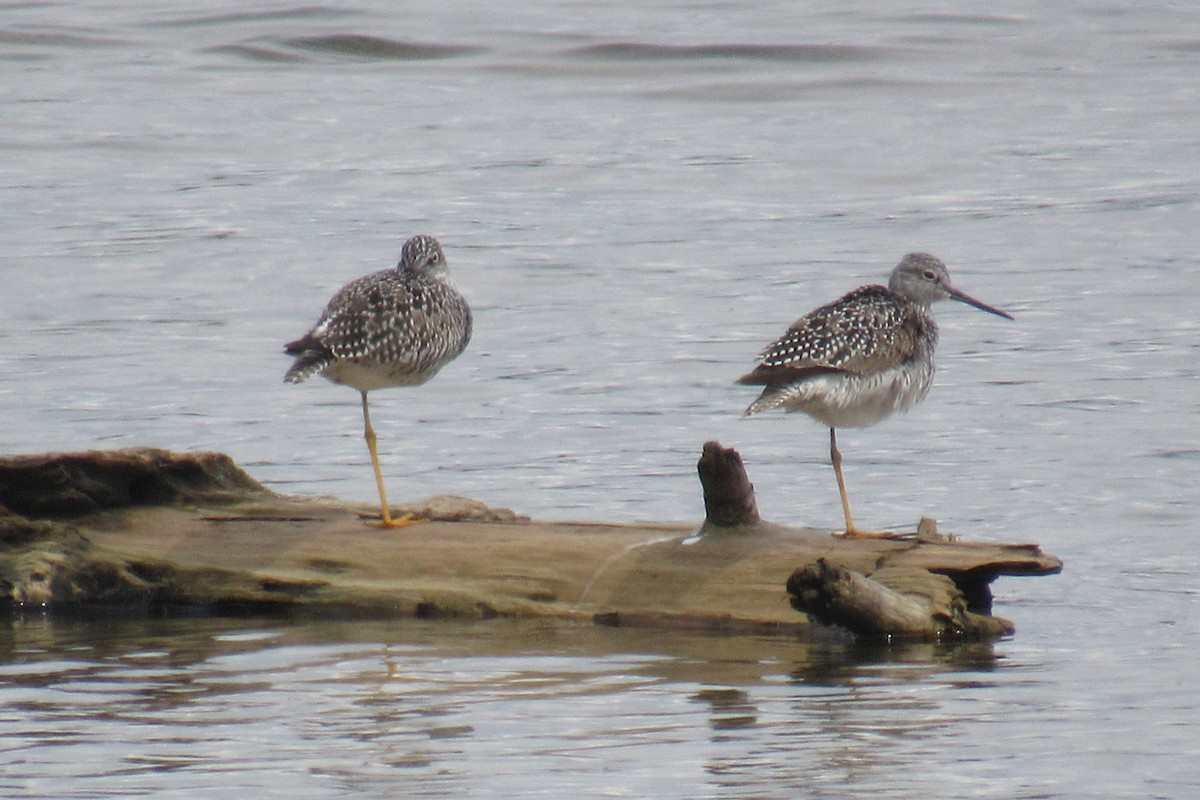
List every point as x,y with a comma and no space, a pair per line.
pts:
346,328
390,316
865,331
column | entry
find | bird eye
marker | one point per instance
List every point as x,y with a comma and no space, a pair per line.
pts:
929,275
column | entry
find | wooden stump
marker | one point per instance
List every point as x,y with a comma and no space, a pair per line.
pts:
728,492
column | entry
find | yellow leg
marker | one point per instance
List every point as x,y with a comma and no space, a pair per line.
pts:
385,513
835,456
851,530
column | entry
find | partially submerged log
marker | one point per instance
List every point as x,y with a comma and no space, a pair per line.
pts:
150,531
836,595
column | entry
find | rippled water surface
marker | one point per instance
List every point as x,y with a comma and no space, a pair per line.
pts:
635,198
530,710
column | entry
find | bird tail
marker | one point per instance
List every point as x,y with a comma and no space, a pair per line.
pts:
772,397
309,360
307,365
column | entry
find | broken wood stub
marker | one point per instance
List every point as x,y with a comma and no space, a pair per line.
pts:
728,492
902,603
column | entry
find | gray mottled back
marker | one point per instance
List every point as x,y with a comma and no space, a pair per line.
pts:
864,331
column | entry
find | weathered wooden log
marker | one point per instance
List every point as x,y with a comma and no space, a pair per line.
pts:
151,531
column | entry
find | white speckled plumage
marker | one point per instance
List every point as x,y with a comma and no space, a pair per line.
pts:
850,363
855,361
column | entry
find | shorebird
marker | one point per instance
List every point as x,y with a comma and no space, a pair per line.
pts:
859,359
395,327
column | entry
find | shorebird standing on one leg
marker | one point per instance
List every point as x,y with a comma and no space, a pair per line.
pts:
861,358
396,327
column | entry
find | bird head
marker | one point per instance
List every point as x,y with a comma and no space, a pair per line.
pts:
423,255
922,278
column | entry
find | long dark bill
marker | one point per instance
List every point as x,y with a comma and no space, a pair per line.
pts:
963,297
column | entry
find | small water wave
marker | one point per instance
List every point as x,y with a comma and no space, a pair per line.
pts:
53,39
255,52
806,53
960,19
363,46
761,91
352,46
274,15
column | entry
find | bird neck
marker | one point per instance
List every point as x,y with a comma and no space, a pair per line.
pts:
926,329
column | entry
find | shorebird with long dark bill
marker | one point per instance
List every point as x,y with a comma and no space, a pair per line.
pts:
395,327
860,359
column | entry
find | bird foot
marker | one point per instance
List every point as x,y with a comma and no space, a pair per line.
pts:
855,533
398,522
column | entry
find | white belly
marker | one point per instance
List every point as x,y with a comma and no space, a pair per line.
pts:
842,400
369,376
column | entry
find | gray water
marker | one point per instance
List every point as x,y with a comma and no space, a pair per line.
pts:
636,198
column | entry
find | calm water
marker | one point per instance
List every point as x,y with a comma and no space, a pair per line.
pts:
636,198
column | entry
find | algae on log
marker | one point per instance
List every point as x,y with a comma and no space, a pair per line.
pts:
157,532
70,484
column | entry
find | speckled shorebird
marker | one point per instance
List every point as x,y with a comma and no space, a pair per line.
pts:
859,359
396,327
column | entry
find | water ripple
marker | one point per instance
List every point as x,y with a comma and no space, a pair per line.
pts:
243,17
805,53
363,46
